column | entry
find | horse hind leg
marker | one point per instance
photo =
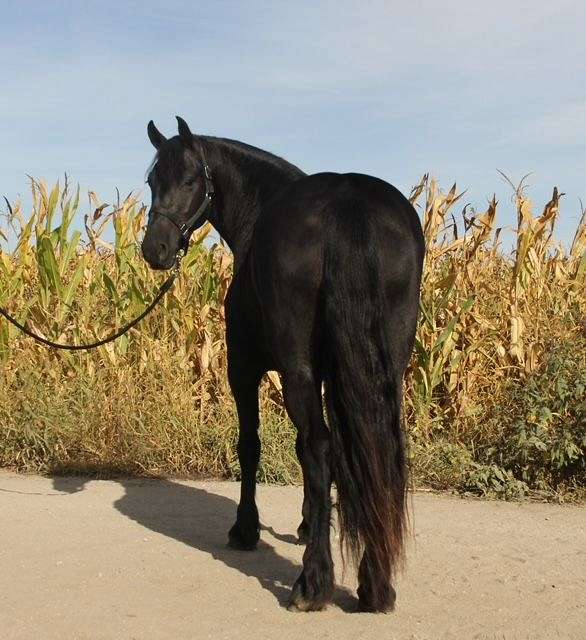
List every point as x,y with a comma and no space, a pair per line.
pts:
303,528
378,564
375,591
314,587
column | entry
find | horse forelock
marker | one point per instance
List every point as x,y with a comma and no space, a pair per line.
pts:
151,166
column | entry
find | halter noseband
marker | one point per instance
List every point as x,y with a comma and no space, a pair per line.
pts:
187,228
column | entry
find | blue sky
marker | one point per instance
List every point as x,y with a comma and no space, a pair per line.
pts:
395,89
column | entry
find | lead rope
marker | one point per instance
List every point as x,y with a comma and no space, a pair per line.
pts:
92,345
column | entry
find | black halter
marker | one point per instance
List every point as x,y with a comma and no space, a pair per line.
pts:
187,228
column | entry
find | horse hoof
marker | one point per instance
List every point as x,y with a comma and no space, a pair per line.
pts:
243,540
366,607
299,602
370,604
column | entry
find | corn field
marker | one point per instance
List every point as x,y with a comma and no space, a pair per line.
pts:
495,393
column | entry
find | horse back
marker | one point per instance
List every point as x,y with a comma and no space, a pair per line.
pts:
290,233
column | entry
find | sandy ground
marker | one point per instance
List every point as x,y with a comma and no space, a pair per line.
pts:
147,559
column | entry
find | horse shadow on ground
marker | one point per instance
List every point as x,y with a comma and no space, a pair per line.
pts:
201,519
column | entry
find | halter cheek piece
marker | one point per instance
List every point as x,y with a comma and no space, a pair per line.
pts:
187,228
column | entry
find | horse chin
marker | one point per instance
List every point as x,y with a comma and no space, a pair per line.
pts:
162,266
167,266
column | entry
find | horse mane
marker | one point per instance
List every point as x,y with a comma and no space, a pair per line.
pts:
254,157
263,164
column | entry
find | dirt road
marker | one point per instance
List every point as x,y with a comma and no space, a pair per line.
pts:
147,559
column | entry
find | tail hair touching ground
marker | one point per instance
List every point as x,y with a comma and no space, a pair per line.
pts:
363,401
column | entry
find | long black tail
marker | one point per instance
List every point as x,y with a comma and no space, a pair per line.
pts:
363,397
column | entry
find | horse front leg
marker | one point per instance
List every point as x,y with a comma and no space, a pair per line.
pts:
244,379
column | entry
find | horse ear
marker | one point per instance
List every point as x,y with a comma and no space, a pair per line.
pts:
155,136
184,131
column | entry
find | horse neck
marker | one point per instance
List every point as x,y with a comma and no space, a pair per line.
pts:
245,179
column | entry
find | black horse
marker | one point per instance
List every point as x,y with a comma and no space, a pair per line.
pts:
325,291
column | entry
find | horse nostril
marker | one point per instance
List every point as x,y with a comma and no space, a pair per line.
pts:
163,250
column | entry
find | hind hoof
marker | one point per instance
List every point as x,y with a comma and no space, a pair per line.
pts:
305,606
367,603
300,601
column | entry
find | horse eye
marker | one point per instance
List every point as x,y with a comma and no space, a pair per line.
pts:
189,182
